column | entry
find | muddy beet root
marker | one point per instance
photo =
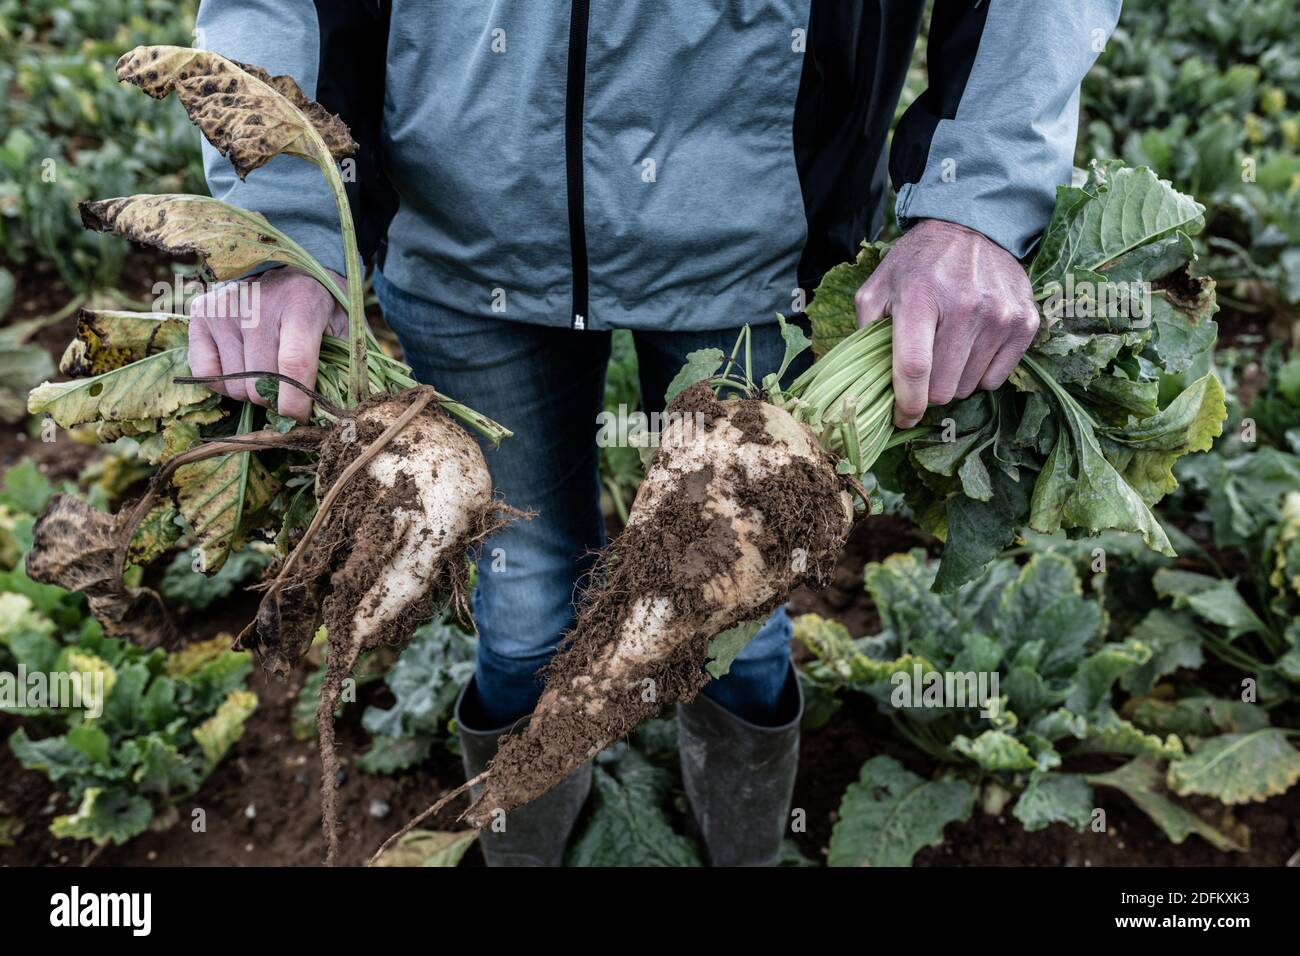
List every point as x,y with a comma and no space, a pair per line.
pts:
740,506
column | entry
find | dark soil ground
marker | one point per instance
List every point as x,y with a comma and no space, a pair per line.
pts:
262,804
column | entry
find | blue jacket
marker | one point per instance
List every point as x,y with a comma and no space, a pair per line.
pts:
678,164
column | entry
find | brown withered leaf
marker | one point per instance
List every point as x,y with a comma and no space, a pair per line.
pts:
247,114
76,547
230,240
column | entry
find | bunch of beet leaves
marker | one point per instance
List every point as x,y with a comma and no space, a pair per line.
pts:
1085,434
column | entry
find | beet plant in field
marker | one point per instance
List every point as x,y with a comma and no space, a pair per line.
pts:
1248,494
401,491
1010,676
129,731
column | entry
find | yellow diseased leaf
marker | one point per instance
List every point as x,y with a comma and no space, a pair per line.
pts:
215,496
18,616
157,532
1238,768
429,848
204,413
107,340
141,390
1284,578
191,657
87,667
105,816
221,731
177,435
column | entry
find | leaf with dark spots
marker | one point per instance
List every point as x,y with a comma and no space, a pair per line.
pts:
245,112
217,496
230,240
110,339
133,391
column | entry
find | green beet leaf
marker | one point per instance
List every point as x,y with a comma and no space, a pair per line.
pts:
891,813
629,826
1140,781
105,816
425,681
832,309
1118,210
1055,798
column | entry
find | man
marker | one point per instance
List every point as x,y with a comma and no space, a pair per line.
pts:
533,175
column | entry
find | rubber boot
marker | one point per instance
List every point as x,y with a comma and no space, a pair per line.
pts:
536,833
739,777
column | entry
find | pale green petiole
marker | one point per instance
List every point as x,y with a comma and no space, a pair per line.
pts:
847,398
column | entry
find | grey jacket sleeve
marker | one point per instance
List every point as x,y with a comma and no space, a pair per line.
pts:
281,36
986,145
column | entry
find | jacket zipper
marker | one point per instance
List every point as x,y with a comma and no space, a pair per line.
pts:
573,105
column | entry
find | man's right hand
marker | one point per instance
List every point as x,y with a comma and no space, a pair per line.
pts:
281,332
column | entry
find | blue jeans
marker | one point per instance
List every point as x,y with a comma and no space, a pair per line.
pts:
547,386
